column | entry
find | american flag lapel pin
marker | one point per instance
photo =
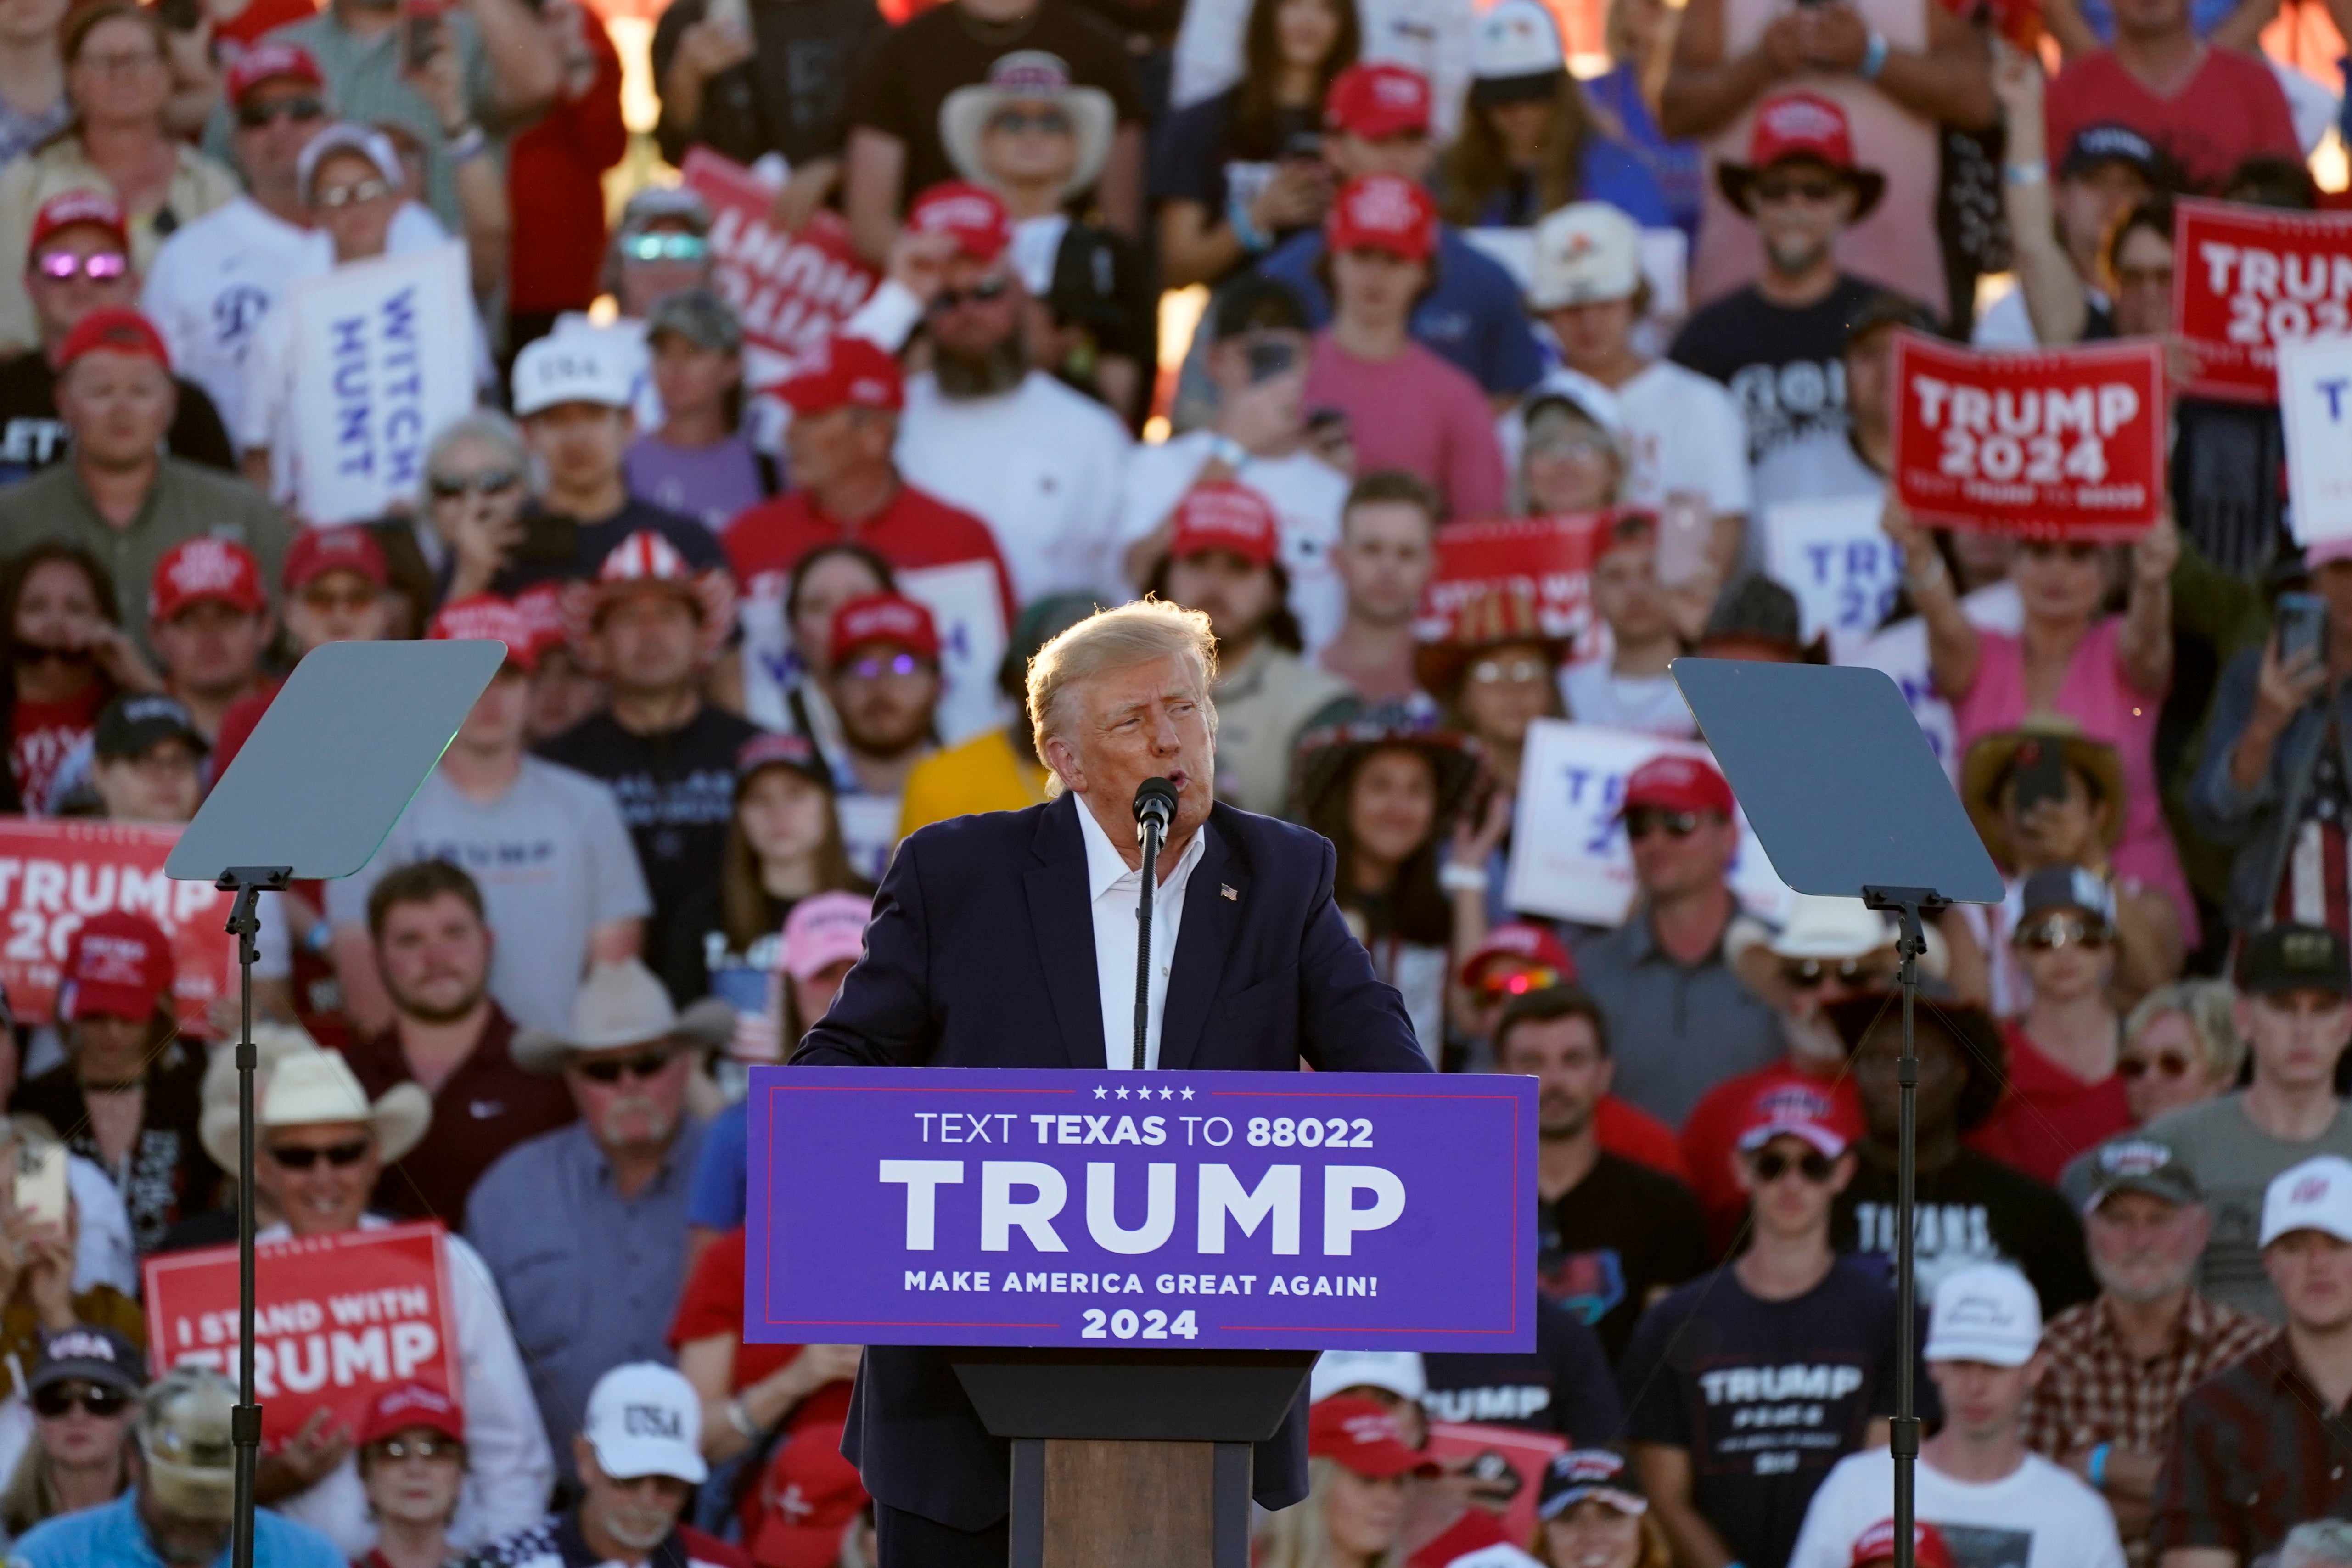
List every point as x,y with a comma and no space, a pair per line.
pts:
1226,889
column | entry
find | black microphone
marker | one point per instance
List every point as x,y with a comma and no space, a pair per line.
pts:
1155,810
1155,802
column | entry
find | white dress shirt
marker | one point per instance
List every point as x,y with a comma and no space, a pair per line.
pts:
1112,886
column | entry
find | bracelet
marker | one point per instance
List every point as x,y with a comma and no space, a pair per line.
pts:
1246,229
741,1419
1227,450
1873,57
2025,174
468,142
2099,1467
1462,879
1926,576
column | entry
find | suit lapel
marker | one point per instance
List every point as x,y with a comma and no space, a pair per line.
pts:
1062,915
1202,943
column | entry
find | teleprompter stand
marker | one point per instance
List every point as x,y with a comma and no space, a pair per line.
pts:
1135,1457
328,771
1849,801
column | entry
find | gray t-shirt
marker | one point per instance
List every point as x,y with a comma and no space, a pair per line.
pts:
554,861
2235,1160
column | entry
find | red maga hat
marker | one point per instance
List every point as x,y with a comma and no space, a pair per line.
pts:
884,617
71,209
1876,1544
319,551
118,965
119,331
1362,1437
1678,784
1382,212
268,62
204,568
489,616
1521,941
1801,125
396,1410
845,373
972,214
1373,99
1225,514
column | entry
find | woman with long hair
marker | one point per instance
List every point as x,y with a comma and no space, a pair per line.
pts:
411,1454
1594,1515
1358,1468
119,79
699,460
85,1396
1235,173
65,656
1532,141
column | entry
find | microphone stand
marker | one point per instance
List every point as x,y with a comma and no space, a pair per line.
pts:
1151,824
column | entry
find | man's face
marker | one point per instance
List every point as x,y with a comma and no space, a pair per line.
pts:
497,719
1237,596
886,696
81,269
1790,1184
1800,205
1593,335
162,784
181,1541
212,650
2090,201
689,376
1625,591
117,406
2296,1036
320,1175
1109,734
338,605
2143,281
1384,559
647,281
1407,155
351,200
288,112
1029,143
820,589
2143,1249
2312,1273
1676,853
650,641
581,442
1375,283
436,958
1943,1073
979,310
1983,1401
631,1097
1571,1073
638,1514
822,450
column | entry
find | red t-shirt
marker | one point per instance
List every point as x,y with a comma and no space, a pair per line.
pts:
713,1304
914,529
44,734
1632,1133
555,187
1712,1135
2231,109
2048,1115
236,726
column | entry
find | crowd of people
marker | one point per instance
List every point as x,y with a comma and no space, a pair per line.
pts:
765,617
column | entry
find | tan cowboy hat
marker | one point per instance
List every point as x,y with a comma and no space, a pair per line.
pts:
623,1004
1028,76
303,1086
1986,769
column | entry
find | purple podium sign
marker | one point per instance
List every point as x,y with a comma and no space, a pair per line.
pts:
1221,1210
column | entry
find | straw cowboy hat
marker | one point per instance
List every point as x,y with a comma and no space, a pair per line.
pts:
303,1086
623,1004
1028,76
1986,770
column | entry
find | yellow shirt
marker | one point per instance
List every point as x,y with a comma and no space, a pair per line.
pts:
981,775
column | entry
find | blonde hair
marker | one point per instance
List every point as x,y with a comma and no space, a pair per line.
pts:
1300,1536
1656,1551
1118,639
2210,1005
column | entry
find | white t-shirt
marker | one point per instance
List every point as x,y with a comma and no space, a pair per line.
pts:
2007,324
1683,432
215,280
1306,493
1041,465
1650,704
2038,1515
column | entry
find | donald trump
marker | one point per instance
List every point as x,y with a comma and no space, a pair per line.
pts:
1009,939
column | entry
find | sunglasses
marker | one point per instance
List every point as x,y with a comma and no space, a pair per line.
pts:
337,197
1818,191
2055,931
1494,987
644,1065
59,1397
1813,1164
301,110
1644,820
64,266
980,293
1804,973
489,483
2164,1064
1045,122
665,248
342,1156
1493,671
419,1448
876,669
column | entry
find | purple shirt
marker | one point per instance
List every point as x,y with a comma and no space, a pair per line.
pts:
713,483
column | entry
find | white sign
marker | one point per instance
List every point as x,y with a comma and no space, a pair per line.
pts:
1833,556
383,357
970,612
2315,381
1570,858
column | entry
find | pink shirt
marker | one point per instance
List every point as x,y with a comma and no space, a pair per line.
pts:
2095,695
1416,413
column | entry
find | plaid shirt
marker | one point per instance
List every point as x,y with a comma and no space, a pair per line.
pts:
2256,1452
2096,1391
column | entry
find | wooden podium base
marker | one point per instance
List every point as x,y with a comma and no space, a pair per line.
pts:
1138,1459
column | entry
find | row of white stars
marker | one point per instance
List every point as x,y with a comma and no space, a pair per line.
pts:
1102,1093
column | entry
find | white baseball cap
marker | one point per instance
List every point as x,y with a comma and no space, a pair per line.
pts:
1986,1312
569,367
1397,1372
1587,252
644,1419
1516,38
2313,1196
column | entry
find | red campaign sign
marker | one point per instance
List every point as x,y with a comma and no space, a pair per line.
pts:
56,875
338,1319
1506,1465
2245,280
2067,444
1549,558
791,289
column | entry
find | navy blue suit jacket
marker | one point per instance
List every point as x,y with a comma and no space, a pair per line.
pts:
982,954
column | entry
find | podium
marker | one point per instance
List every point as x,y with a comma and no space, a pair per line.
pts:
1133,1272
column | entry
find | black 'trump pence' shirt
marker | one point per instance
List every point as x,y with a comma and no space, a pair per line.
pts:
1765,1396
1562,1387
1611,1239
1786,368
1974,1210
